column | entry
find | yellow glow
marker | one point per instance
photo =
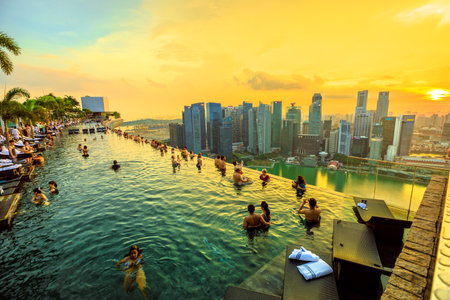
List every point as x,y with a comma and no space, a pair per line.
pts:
437,94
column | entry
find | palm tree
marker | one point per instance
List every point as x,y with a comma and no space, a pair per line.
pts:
11,109
10,45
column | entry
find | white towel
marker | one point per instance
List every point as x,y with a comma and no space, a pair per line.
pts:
303,254
314,269
10,168
361,205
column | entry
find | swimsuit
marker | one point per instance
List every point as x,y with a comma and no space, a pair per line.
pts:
139,263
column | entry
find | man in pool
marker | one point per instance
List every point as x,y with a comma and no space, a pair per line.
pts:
115,166
312,215
238,178
252,221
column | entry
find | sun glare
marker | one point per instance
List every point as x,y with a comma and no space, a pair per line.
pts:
437,94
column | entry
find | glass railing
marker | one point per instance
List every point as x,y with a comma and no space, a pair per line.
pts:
384,175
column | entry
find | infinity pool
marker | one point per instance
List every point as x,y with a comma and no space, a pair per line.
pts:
189,225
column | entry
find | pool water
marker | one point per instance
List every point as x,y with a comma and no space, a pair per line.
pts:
188,223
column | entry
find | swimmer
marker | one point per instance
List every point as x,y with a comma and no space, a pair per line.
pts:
199,162
173,151
299,185
192,155
238,166
95,139
178,162
216,161
312,215
238,178
85,151
115,166
174,163
264,176
38,197
102,136
28,151
222,163
80,148
133,268
38,160
53,187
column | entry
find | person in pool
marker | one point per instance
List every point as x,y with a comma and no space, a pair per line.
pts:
80,148
238,178
133,268
265,215
222,163
53,187
115,166
264,176
174,163
199,162
312,215
85,151
253,220
299,185
28,150
216,161
38,197
38,160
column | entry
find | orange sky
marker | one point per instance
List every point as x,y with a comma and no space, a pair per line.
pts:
152,57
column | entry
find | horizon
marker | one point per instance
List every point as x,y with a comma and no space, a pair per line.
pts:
159,56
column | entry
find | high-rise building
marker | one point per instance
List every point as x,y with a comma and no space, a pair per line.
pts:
276,123
345,138
407,127
226,137
245,108
315,115
308,144
289,136
377,130
188,129
264,122
227,111
176,133
446,133
362,101
382,106
252,130
333,142
360,146
236,119
391,153
305,126
194,126
294,113
326,129
95,104
363,122
213,121
388,124
376,145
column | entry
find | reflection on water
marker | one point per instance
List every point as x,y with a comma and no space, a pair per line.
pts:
395,191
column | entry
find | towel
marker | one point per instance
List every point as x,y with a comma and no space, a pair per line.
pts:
361,205
314,269
303,254
10,168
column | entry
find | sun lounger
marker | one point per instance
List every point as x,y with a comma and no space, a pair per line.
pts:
8,205
296,287
238,293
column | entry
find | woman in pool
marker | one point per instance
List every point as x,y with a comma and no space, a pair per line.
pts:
133,268
53,187
199,162
174,163
38,197
264,176
85,151
299,185
80,148
265,215
28,150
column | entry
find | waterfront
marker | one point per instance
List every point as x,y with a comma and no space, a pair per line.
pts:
188,224
395,191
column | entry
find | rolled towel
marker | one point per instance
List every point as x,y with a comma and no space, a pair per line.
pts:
314,269
361,205
303,254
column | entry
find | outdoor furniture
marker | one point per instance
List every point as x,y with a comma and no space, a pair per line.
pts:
356,263
8,205
238,293
296,287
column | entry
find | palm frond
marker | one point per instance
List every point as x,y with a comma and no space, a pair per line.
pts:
5,63
9,43
16,93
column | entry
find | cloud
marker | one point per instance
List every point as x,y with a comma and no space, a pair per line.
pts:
264,81
437,8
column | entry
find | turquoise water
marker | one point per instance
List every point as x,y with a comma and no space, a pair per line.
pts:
189,225
395,191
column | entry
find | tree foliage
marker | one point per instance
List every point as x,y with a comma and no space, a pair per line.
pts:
10,45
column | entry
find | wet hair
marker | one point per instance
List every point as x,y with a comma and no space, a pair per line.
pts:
251,208
85,147
222,157
218,156
312,203
200,154
37,190
134,247
300,179
115,162
11,141
266,208
53,182
235,163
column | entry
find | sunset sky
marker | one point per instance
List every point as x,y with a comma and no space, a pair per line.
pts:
152,57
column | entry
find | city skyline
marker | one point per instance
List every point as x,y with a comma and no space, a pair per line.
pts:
147,53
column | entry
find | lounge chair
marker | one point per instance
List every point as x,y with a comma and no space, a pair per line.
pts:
238,293
8,204
296,287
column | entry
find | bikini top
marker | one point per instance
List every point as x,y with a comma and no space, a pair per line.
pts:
137,263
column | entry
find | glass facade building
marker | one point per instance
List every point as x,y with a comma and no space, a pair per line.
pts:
345,138
276,123
213,122
315,115
245,130
264,122
226,138
382,106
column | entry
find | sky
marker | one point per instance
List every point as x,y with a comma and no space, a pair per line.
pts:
150,58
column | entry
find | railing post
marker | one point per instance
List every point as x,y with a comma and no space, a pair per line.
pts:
376,180
412,190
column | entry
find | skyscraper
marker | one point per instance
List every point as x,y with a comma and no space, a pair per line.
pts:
236,119
245,108
326,129
376,144
362,101
194,124
382,106
176,133
289,137
388,124
225,138
333,142
264,129
213,121
377,130
252,130
345,138
360,146
445,137
363,122
188,129
407,127
294,113
315,115
276,123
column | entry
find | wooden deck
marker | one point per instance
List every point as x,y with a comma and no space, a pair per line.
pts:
8,205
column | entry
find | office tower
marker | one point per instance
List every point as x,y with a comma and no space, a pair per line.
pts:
276,123
308,144
376,145
445,137
315,115
434,120
188,130
345,138
252,130
326,134
407,126
213,121
226,138
377,130
95,104
363,122
447,118
333,142
388,124
294,113
236,119
176,133
305,126
245,108
227,111
289,137
391,153
361,104
264,122
382,106
360,146
198,127
397,132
